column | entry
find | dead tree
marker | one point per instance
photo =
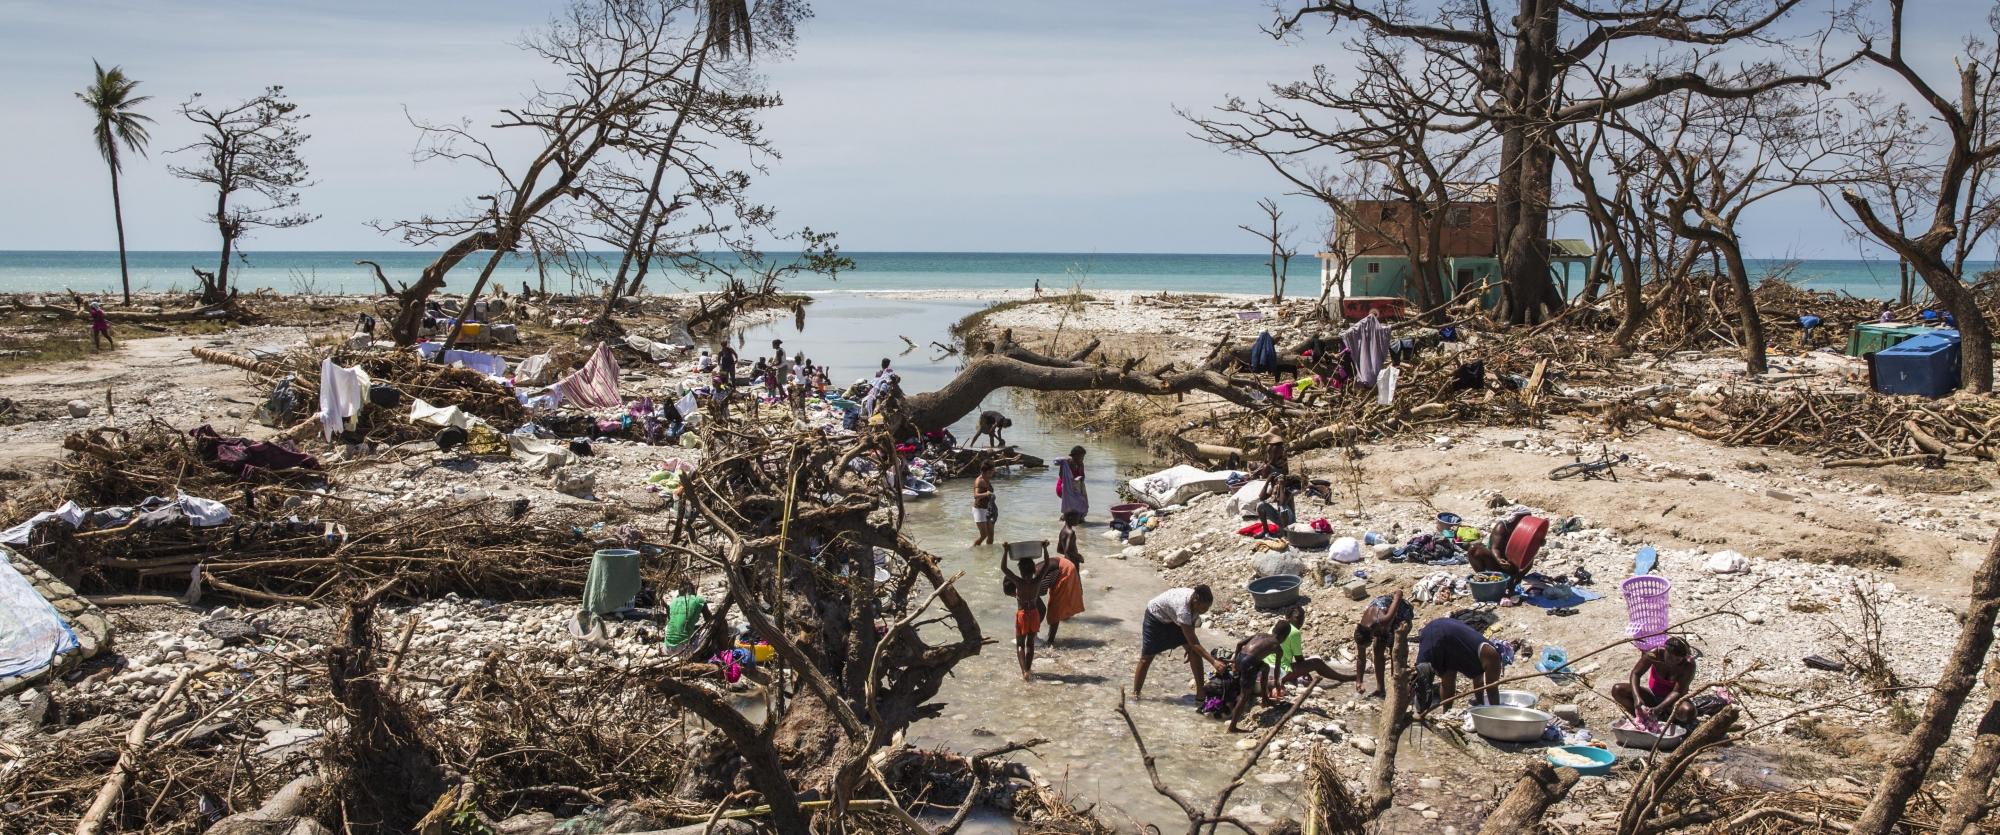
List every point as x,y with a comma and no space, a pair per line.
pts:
1408,123
1905,770
247,151
1527,65
1966,152
1278,241
627,70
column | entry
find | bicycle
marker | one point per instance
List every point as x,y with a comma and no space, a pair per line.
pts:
1600,468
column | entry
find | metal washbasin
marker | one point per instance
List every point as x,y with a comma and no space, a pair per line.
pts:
1275,591
1509,724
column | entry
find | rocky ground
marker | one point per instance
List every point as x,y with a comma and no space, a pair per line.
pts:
1854,564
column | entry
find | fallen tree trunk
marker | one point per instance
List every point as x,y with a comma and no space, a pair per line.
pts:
1015,367
1638,818
130,754
1533,794
210,311
250,364
1905,771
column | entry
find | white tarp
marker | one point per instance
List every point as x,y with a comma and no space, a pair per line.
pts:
18,535
1175,485
32,634
1244,503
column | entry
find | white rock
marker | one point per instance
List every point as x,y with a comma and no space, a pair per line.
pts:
79,408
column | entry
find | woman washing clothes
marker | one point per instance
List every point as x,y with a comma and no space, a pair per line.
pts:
1669,672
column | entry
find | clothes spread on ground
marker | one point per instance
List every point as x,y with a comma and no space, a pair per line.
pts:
533,371
1430,549
1264,353
1449,645
1367,342
244,457
480,437
487,364
196,511
682,613
70,513
341,393
32,634
595,385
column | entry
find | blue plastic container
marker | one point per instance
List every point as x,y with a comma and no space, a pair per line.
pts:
1603,758
1925,365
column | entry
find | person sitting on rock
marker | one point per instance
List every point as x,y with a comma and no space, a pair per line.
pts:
1669,672
1294,665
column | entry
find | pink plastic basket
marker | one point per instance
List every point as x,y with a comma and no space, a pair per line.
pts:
1646,610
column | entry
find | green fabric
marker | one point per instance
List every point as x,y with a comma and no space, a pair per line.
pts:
613,581
682,612
1290,650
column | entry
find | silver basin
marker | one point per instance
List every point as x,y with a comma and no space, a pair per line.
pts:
1509,724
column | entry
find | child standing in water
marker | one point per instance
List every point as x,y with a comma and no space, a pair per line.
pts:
1026,587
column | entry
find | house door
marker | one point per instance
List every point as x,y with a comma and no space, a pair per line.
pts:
1464,278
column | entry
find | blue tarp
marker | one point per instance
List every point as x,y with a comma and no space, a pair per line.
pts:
32,633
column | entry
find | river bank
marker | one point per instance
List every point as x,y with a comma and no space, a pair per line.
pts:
1868,565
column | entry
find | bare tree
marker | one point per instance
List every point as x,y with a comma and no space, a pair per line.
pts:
644,86
1279,242
1525,67
1964,152
1413,123
251,147
1718,158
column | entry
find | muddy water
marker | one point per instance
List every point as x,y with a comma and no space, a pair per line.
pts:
1074,694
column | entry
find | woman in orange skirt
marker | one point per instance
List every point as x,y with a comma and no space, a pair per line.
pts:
1065,582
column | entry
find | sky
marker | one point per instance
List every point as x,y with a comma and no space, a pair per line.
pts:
1030,126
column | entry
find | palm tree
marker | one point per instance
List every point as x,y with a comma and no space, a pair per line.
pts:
112,103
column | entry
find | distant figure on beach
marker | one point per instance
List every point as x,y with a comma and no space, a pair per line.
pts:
1070,484
1026,587
985,505
991,425
1064,578
100,325
1038,288
727,359
1169,623
705,363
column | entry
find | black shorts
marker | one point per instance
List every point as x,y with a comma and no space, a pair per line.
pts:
1157,636
1248,667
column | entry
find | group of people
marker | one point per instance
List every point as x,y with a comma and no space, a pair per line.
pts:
1046,584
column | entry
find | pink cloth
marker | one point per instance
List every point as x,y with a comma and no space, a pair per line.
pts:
595,385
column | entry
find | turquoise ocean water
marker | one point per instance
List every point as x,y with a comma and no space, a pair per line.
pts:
336,272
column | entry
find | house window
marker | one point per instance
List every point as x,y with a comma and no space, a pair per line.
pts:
1374,267
1459,217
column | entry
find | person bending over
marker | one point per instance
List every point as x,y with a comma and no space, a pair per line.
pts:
1384,621
1669,672
991,425
1169,623
1255,656
1448,648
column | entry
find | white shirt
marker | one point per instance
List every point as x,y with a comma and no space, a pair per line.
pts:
1173,606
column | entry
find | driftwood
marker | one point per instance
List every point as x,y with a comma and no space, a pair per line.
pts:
209,311
130,753
1638,817
1543,786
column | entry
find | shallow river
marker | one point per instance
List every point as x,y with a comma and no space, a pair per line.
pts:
1073,698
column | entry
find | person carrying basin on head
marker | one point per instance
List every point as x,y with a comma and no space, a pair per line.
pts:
1026,589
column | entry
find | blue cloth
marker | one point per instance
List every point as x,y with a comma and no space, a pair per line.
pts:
487,364
1264,353
1575,597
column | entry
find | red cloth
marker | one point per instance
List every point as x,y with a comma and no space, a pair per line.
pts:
595,385
1255,528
